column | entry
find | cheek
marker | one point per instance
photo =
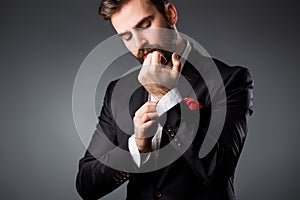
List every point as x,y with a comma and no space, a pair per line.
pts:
130,45
154,36
164,38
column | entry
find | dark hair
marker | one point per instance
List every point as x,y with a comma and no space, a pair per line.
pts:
109,7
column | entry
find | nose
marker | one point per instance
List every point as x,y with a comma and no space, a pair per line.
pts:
139,38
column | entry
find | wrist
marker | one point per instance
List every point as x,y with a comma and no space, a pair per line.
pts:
157,91
144,145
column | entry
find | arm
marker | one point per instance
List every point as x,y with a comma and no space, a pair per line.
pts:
220,163
169,100
95,179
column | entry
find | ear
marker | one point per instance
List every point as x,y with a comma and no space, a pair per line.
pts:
171,13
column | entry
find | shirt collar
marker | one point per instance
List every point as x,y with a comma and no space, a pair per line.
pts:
185,54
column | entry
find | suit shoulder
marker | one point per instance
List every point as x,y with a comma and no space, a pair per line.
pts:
238,84
233,73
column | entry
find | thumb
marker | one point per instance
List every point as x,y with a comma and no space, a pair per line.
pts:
176,62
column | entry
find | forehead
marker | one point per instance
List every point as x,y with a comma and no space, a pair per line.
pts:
131,13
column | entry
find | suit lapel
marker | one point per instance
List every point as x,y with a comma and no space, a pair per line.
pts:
138,98
189,74
189,83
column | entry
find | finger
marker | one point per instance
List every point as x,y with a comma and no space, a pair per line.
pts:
149,124
147,107
156,58
148,59
176,62
143,133
148,117
150,104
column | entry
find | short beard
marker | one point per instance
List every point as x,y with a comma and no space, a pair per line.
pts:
165,53
160,49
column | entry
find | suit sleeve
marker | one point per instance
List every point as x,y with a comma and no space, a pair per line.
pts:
95,178
221,161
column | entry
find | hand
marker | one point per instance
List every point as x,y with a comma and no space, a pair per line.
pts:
157,79
145,126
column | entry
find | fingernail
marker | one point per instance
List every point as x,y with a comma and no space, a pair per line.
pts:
149,54
176,56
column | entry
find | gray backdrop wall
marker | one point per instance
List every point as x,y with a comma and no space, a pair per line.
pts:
43,43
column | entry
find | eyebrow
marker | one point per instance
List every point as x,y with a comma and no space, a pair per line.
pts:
138,25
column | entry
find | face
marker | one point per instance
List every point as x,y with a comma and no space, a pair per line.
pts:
143,29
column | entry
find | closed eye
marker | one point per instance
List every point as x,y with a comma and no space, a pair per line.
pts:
146,25
126,36
142,24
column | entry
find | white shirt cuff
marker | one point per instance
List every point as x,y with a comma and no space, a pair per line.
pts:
169,100
138,158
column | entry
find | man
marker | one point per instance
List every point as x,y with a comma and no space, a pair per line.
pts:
163,113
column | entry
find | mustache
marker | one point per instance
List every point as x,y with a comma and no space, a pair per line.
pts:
144,51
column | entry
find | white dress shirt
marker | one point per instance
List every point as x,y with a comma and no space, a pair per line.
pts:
169,100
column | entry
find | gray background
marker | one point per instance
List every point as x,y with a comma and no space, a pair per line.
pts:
43,43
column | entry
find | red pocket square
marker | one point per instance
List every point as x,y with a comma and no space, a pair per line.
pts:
193,104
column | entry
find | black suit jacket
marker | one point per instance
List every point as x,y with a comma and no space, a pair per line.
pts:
189,177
